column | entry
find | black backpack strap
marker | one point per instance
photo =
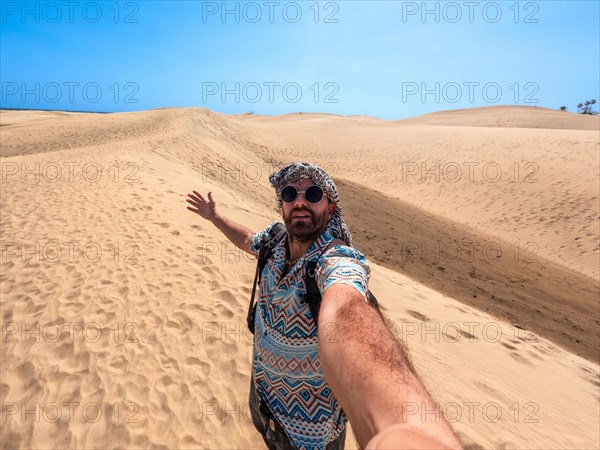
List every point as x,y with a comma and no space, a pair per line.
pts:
266,249
313,295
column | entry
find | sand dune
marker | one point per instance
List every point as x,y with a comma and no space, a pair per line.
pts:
123,315
509,117
521,185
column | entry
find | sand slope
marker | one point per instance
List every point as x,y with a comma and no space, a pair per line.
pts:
520,184
151,300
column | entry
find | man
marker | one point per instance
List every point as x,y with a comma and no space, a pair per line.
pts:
306,383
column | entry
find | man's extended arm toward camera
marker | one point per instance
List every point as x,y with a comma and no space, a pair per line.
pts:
238,234
372,378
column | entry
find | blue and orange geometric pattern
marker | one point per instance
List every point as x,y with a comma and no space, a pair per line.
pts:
286,366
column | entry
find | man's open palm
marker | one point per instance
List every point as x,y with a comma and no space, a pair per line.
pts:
204,208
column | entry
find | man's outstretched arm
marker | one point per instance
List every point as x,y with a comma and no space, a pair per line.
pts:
372,378
238,234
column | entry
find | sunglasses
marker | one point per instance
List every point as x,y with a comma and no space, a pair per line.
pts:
314,194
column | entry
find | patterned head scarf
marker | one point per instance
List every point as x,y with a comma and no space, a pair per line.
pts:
294,172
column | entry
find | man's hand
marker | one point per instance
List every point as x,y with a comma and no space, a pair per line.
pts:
236,233
204,208
373,379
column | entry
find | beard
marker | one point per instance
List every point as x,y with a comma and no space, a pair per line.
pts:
305,229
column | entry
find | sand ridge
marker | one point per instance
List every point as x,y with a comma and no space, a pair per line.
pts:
515,116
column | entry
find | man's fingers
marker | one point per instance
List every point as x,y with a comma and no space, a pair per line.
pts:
193,210
194,198
195,203
198,198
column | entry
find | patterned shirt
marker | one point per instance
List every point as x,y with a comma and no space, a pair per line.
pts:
285,362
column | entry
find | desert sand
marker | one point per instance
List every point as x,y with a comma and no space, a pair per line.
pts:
123,314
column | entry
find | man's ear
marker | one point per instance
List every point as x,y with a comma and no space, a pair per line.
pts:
332,208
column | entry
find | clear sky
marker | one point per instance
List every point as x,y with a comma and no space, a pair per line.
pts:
390,59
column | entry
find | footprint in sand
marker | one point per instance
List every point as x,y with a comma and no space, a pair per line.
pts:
201,261
226,295
62,352
171,324
224,310
508,346
204,367
119,363
189,441
535,355
520,358
490,391
417,315
184,319
591,376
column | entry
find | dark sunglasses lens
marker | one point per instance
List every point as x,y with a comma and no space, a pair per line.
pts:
288,194
314,194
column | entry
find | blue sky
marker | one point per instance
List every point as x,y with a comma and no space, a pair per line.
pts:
390,59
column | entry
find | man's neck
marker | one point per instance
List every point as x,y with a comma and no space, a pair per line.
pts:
297,248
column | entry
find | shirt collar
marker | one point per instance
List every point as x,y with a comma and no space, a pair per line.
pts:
314,251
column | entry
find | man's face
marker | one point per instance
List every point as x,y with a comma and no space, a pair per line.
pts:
306,229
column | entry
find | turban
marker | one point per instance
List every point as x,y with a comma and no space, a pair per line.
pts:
294,172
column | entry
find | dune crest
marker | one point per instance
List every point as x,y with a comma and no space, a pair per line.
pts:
515,116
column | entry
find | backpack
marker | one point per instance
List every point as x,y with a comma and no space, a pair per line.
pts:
312,296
